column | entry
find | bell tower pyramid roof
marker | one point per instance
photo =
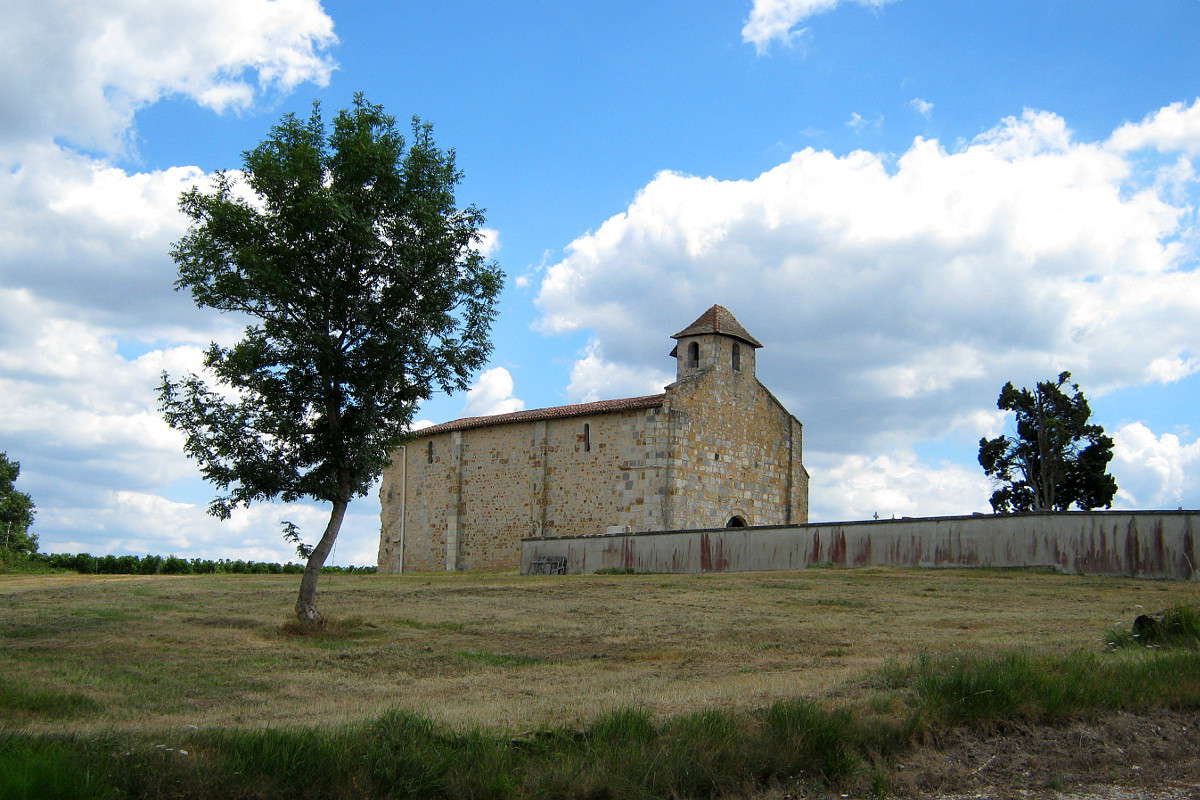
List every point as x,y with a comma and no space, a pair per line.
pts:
718,319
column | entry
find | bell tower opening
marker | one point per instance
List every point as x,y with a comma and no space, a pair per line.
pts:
728,347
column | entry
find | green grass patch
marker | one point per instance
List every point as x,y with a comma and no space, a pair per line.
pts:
16,699
980,690
497,659
58,624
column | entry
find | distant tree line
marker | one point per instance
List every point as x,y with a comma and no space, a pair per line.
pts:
88,564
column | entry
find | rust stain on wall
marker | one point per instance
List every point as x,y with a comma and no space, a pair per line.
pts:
1187,555
1142,544
837,550
862,553
1160,551
1132,551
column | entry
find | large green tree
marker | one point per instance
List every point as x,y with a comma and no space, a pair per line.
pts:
16,511
365,290
1057,459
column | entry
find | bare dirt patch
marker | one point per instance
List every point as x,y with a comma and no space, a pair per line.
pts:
1122,755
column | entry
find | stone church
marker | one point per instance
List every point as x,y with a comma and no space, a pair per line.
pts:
715,449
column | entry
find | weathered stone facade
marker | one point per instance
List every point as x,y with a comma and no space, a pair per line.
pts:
715,449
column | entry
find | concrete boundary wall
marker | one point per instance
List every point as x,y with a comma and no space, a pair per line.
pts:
1147,544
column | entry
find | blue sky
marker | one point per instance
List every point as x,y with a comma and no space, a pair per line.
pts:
907,202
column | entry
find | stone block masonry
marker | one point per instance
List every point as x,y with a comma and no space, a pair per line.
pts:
715,448
1144,544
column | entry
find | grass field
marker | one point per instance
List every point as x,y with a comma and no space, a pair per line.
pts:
87,654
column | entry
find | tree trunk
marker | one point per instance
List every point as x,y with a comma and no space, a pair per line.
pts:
306,603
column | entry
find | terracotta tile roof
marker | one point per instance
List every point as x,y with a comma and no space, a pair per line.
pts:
554,412
719,319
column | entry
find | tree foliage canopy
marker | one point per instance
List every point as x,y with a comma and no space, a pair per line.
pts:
366,290
16,511
1056,459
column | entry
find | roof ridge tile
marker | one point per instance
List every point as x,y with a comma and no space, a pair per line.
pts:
551,412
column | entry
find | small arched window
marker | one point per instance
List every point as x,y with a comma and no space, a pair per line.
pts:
587,438
429,451
735,522
737,358
694,354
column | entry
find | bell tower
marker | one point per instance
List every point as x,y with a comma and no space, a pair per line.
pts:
715,341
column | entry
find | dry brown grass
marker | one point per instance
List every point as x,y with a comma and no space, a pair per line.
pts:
517,652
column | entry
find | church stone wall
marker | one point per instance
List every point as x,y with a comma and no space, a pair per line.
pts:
615,483
717,446
421,489
738,452
489,487
498,491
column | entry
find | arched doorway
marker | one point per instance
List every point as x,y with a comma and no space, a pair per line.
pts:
735,522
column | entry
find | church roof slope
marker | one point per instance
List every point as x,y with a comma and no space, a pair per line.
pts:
719,319
553,412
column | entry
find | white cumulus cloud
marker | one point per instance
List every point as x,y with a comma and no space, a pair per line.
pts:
80,71
1154,471
88,315
492,394
91,241
858,123
1172,128
123,521
593,377
848,487
895,296
489,242
780,20
922,107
